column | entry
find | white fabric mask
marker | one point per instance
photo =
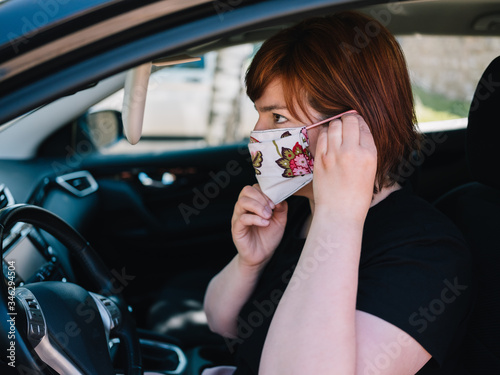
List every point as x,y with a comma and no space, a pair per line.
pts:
281,159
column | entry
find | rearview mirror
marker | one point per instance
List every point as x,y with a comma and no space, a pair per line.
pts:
136,88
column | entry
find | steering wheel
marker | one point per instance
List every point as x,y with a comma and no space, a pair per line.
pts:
60,326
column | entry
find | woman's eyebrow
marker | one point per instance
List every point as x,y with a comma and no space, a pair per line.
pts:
270,108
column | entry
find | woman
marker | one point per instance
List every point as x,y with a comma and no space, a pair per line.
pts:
365,278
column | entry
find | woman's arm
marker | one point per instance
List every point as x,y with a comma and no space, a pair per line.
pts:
313,329
383,348
257,227
316,329
226,294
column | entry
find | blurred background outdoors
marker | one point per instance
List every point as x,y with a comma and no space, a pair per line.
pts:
204,103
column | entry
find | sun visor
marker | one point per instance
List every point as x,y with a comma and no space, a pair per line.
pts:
136,89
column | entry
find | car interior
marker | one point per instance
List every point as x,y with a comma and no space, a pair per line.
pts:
124,185
474,209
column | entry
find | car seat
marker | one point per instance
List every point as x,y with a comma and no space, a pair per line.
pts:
475,209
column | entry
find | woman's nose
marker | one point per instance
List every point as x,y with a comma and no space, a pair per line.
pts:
260,125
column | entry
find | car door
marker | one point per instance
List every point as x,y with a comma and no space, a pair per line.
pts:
163,206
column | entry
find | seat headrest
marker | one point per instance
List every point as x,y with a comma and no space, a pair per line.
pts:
483,131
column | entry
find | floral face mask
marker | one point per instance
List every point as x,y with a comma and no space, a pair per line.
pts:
281,159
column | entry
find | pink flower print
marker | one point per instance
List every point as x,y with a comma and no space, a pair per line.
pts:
304,134
296,162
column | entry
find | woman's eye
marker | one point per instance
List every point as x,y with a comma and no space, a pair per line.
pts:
278,119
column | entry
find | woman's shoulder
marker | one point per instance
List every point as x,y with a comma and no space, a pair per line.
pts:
416,272
409,232
406,217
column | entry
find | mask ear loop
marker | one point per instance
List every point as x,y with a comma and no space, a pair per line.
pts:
352,111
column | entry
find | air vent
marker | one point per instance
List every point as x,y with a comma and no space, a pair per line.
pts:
6,198
79,183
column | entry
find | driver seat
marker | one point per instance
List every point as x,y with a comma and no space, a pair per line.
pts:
475,209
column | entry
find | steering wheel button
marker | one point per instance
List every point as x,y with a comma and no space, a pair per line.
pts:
36,315
114,311
36,332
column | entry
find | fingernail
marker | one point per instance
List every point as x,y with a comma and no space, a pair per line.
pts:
268,211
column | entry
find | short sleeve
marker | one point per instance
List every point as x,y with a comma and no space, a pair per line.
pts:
421,283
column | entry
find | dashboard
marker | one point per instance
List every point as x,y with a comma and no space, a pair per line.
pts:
27,250
33,259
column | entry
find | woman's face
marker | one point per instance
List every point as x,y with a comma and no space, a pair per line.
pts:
273,114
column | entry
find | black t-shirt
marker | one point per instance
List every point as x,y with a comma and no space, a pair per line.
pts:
415,272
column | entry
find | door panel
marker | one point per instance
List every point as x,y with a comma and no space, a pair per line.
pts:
159,229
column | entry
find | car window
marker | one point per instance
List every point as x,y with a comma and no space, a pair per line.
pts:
194,104
204,103
445,71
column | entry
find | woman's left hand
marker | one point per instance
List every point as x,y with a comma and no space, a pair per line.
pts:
345,165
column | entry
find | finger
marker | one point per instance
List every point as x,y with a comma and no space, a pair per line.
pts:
366,139
334,135
247,204
248,220
240,227
281,207
254,200
322,141
350,131
270,202
254,192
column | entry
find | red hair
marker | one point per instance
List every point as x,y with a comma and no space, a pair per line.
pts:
342,62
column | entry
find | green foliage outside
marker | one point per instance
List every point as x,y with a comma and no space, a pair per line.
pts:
431,106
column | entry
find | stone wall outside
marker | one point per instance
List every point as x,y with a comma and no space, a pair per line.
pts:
449,65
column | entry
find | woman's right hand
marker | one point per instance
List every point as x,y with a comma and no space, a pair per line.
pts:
257,226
